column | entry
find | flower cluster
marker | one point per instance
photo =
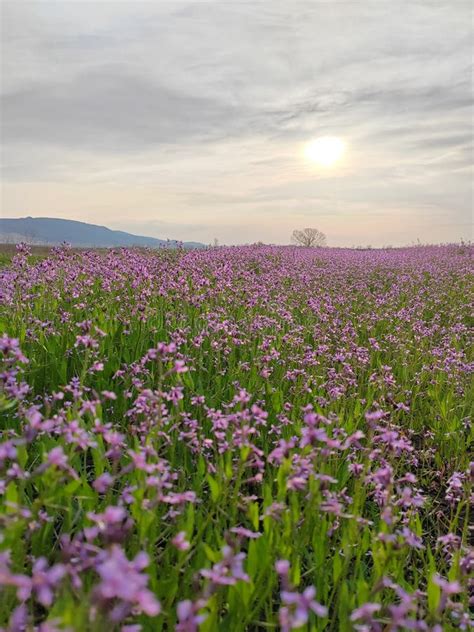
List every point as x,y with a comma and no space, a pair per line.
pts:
232,438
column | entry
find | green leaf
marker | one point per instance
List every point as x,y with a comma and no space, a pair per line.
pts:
254,515
336,567
214,487
434,595
211,555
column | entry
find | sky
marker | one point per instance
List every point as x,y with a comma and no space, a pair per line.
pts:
191,120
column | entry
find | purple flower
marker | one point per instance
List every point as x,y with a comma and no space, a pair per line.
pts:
112,524
124,580
180,367
179,498
103,482
109,395
454,492
245,533
45,579
10,348
57,457
42,583
19,619
282,567
411,539
297,608
229,570
189,618
180,542
447,587
365,612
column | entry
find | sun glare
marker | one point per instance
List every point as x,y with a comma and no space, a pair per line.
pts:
325,151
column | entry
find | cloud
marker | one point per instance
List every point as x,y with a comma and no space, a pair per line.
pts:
110,110
200,110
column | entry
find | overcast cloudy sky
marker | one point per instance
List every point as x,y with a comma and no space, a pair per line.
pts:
188,120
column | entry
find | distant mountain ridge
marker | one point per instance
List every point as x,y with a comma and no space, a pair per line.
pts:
54,231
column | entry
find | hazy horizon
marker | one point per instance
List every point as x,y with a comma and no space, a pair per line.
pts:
190,120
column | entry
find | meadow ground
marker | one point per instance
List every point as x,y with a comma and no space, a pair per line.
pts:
236,439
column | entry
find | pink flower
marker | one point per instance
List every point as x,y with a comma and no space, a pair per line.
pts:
188,617
109,395
297,607
365,612
42,583
57,457
180,542
245,533
447,588
180,367
125,581
44,580
282,567
103,482
229,570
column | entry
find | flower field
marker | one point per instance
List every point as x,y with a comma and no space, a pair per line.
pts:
246,438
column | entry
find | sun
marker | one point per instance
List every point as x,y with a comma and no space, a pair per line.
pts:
325,151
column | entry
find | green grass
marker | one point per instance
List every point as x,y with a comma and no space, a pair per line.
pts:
293,328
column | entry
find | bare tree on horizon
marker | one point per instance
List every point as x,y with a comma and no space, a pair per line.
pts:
309,237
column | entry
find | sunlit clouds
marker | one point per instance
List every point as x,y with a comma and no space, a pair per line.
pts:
211,120
325,151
